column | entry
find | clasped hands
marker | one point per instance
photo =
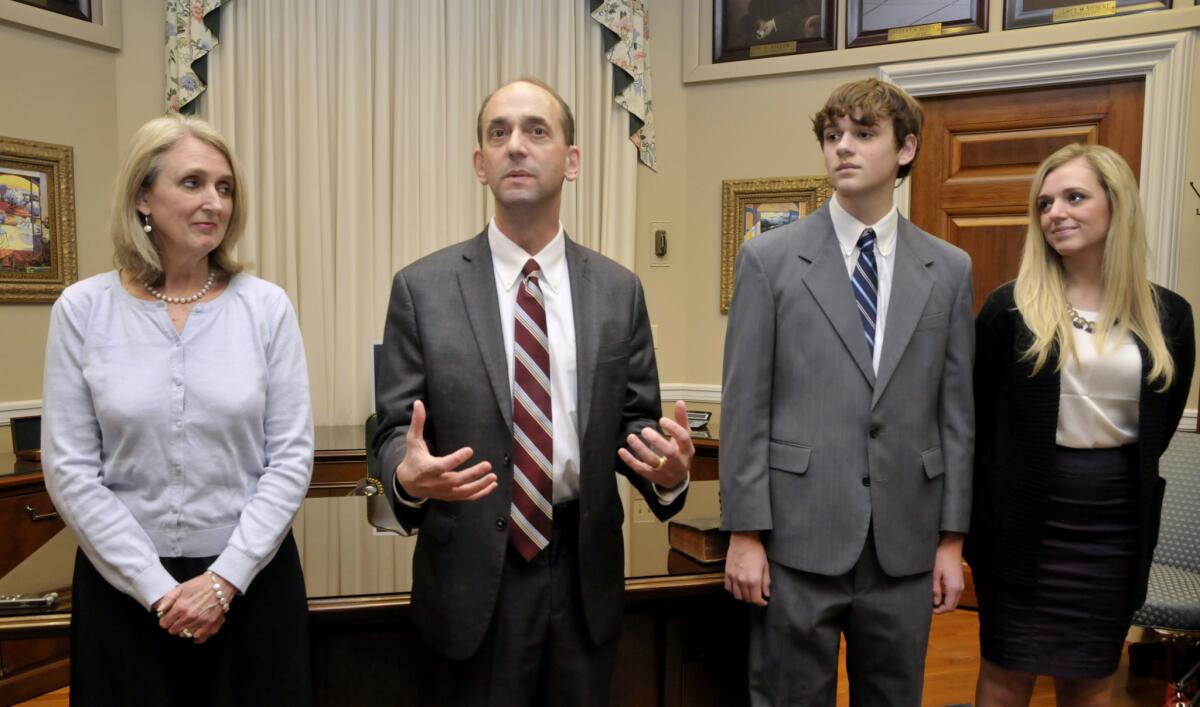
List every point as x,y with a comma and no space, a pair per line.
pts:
192,609
423,475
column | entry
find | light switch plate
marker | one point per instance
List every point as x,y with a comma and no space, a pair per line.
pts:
656,260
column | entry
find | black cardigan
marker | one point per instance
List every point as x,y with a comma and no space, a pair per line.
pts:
1016,418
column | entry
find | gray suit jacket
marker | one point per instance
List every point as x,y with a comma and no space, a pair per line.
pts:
805,421
443,345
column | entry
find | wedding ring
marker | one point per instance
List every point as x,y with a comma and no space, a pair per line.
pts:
661,462
187,633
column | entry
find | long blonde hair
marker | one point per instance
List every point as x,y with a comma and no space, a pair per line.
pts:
1128,304
134,251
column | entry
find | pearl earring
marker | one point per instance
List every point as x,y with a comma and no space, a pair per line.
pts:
146,224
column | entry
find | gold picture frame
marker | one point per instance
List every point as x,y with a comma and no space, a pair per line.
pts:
37,220
749,204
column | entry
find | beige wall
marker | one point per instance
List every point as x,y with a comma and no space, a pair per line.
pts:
752,127
92,99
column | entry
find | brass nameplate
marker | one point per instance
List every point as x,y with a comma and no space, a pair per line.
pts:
1091,9
899,34
759,50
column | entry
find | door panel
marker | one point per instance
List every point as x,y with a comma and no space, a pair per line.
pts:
970,185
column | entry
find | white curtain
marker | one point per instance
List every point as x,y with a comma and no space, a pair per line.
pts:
355,121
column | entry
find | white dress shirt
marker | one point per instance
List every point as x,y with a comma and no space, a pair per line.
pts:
848,230
508,259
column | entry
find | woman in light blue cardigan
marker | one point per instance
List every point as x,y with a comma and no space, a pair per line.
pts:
177,444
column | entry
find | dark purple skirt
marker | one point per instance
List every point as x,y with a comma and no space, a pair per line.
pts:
1072,623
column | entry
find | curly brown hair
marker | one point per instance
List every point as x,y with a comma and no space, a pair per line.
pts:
867,101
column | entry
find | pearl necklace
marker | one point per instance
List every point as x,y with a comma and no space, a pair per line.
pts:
182,300
1079,322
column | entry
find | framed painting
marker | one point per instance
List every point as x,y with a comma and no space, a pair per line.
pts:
870,22
754,29
1032,13
37,220
751,207
92,21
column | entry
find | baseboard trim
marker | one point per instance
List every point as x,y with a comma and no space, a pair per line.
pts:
707,393
19,408
691,392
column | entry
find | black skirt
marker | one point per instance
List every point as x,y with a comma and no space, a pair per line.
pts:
1072,622
260,656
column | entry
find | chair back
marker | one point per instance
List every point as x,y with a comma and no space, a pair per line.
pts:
379,510
1179,530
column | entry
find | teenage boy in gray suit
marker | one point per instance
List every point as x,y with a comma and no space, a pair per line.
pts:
848,423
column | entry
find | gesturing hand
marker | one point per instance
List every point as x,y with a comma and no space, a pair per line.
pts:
423,475
192,610
664,461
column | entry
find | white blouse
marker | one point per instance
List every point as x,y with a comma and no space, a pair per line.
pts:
1098,400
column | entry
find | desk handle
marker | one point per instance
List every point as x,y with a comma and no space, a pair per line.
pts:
35,516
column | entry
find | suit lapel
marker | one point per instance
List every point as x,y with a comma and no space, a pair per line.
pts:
587,329
477,280
829,284
911,285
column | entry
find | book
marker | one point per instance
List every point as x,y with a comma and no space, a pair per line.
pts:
700,539
679,563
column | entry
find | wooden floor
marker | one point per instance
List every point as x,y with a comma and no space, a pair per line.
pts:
950,671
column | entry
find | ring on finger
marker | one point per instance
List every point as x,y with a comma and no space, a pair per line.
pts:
186,633
661,462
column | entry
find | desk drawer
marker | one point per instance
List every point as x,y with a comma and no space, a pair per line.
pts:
27,521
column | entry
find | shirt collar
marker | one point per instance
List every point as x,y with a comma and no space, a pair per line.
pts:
848,229
508,258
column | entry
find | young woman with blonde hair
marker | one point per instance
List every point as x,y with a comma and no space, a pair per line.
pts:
1081,375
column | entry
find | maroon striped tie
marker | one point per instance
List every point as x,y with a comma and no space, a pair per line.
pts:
533,457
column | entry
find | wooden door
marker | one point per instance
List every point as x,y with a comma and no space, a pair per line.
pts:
971,182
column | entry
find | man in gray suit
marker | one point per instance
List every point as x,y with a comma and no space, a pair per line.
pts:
847,424
518,373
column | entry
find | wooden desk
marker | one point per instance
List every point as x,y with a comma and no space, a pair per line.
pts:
683,640
35,662
339,460
704,464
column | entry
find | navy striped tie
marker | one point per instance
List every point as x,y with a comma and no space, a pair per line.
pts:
866,285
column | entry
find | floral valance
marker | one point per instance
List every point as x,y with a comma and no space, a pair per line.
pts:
191,35
629,20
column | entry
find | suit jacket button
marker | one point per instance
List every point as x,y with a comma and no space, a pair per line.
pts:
866,481
501,523
874,431
507,460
